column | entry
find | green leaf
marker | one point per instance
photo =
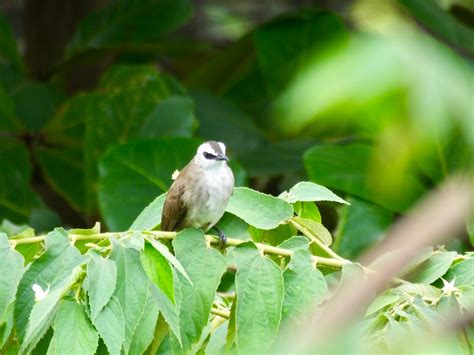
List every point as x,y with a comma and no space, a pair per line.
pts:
296,242
110,324
257,209
28,251
467,299
44,311
430,317
360,225
150,217
131,288
316,229
101,280
233,227
144,332
17,199
259,288
433,268
87,125
462,272
50,270
231,329
382,301
283,44
129,23
217,339
420,290
131,93
442,23
221,120
8,120
43,219
11,271
158,270
273,236
205,267
348,168
304,284
6,326
73,331
8,49
131,175
174,116
63,169
35,104
274,158
67,127
309,191
169,311
307,210
163,250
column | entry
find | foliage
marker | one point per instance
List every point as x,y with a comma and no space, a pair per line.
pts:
371,110
117,288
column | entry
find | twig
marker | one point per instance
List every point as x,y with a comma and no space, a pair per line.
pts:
220,312
268,249
316,241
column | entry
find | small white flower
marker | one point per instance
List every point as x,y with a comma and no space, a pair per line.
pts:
448,286
175,175
39,293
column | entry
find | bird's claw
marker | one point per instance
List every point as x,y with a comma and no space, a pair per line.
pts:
222,237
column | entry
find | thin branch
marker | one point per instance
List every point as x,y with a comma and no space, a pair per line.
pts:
268,249
315,240
221,313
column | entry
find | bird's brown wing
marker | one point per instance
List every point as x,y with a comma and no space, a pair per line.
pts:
174,209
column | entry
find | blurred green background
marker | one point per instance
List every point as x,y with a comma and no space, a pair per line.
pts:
100,101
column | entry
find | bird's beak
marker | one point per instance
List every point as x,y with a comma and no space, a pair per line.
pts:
222,157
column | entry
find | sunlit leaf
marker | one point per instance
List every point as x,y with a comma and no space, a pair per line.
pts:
433,268
51,270
158,270
131,288
304,284
309,191
110,324
150,217
462,273
205,267
11,271
259,287
73,331
258,209
101,279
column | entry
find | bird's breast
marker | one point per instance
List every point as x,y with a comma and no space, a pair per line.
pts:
206,198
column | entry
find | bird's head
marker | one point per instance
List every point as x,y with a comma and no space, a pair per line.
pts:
210,154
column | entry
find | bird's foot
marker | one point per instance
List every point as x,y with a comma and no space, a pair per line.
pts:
222,237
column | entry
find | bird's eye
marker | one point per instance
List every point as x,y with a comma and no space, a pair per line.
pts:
209,155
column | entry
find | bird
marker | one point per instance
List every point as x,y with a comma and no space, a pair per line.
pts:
201,191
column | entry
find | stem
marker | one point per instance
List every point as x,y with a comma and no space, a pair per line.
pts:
315,240
337,263
221,313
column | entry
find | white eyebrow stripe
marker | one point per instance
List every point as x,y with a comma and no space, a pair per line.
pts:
222,147
208,148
